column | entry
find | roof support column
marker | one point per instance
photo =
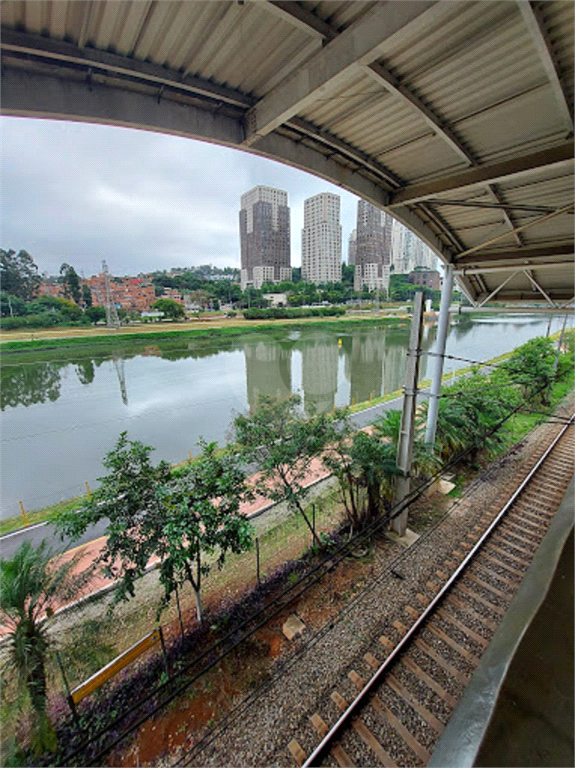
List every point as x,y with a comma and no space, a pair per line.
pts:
443,327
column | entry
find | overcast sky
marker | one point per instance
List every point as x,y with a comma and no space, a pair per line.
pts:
80,193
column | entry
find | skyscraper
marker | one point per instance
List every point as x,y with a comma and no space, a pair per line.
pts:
321,239
373,248
409,252
351,248
264,237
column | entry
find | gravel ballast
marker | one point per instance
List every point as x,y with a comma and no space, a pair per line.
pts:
257,733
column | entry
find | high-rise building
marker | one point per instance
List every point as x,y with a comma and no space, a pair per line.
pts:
373,248
351,248
409,252
321,239
264,237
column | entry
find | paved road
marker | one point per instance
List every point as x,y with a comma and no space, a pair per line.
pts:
36,533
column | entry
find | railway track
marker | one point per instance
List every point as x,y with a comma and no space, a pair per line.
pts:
396,701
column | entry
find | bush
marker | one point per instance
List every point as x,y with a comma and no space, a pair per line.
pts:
282,313
43,320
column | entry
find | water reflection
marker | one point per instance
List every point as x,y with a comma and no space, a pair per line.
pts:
373,362
64,409
268,368
320,357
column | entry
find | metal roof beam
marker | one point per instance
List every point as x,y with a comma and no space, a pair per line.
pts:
384,77
530,224
350,152
535,284
57,50
517,255
536,26
502,170
299,17
355,47
380,74
482,204
546,265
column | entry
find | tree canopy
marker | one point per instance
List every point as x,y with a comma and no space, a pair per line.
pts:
19,274
187,520
169,308
282,442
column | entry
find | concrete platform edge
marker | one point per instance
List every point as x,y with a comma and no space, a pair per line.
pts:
460,742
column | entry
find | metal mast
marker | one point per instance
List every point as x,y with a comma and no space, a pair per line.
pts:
112,319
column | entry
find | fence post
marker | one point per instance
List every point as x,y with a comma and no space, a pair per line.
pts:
23,513
88,489
258,560
69,698
179,613
313,519
164,654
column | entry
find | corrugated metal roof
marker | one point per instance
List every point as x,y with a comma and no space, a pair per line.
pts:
457,85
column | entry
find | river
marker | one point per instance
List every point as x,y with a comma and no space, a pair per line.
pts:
64,409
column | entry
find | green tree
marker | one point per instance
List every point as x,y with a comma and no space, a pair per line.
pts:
365,466
282,442
71,283
86,296
531,365
169,308
19,274
12,306
95,314
187,520
31,586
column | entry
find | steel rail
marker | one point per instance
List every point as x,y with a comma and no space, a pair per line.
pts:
361,697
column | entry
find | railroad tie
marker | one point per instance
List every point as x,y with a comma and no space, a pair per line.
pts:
457,674
433,722
484,585
474,596
363,731
444,637
518,574
468,611
338,752
444,613
429,681
297,752
388,716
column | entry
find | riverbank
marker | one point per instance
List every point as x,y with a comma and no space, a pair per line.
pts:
17,341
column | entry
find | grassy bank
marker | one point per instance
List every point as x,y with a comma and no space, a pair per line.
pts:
223,329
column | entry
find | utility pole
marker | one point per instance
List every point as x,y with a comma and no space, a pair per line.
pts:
559,343
407,430
442,328
112,319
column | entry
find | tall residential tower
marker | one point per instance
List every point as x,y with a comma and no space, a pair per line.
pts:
321,239
264,237
373,248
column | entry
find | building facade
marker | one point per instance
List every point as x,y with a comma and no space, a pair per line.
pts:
373,248
409,252
351,248
264,237
321,239
428,278
131,293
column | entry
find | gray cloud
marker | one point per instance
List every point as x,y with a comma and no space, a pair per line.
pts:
81,193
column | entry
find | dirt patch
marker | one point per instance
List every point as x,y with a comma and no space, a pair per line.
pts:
209,699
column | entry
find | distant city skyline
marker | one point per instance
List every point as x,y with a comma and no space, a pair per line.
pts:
79,193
